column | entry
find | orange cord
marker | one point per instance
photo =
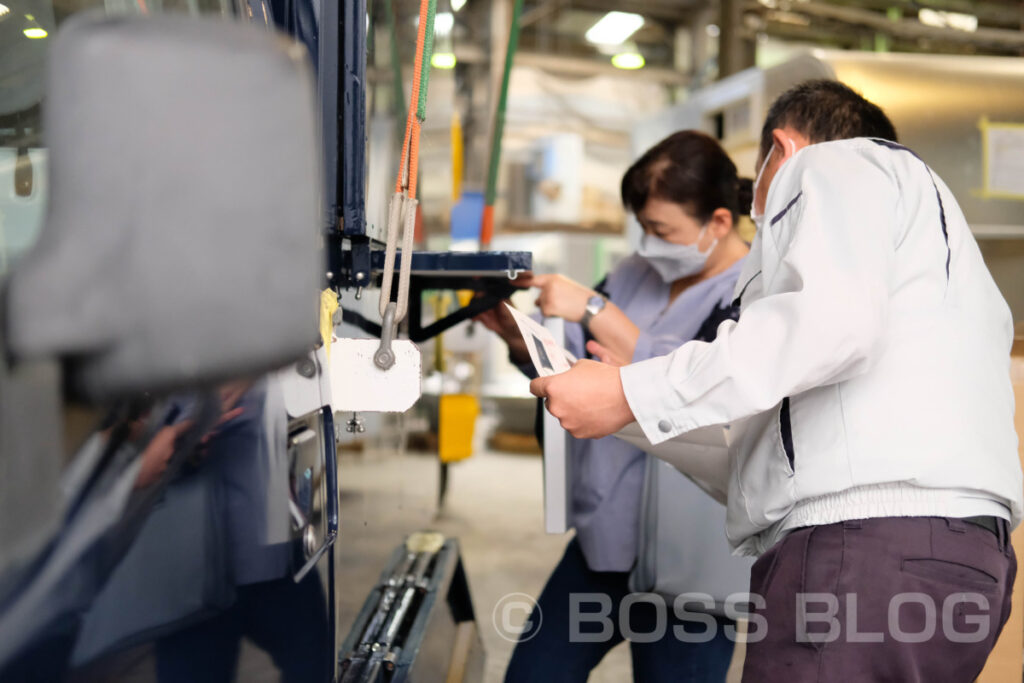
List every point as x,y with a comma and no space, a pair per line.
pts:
487,226
411,143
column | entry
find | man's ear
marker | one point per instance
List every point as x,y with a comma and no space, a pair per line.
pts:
785,147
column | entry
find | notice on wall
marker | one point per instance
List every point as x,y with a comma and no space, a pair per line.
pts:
1003,152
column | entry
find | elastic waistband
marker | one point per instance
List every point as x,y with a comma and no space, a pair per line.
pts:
884,500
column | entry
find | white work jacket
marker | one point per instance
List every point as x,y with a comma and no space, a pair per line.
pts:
868,375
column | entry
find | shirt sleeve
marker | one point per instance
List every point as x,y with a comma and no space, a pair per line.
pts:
651,345
826,259
575,341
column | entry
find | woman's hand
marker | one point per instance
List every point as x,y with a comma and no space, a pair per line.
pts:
561,297
500,321
605,355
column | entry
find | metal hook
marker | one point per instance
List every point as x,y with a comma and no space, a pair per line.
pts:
385,357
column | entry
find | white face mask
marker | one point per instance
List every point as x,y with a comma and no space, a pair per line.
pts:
755,215
675,261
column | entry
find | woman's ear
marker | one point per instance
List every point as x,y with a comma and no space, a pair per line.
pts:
720,223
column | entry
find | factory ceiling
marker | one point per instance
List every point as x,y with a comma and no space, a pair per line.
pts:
554,32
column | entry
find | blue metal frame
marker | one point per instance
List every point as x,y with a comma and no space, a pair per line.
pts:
352,260
352,119
331,485
487,273
490,293
483,264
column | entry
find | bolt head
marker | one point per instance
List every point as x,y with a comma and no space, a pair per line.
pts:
306,367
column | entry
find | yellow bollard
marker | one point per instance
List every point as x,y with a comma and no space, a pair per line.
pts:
455,426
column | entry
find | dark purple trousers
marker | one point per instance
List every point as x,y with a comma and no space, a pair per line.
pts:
899,599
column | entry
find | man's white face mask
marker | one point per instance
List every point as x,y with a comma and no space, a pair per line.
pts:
755,215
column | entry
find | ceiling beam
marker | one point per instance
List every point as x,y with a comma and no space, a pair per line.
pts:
673,11
988,12
541,12
574,66
571,66
907,29
841,36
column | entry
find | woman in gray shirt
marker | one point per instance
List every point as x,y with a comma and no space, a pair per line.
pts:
678,286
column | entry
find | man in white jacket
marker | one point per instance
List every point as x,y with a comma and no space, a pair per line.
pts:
874,465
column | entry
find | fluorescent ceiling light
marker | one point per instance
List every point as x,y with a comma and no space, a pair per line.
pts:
32,29
443,23
614,28
957,20
458,4
628,60
712,30
443,60
4,10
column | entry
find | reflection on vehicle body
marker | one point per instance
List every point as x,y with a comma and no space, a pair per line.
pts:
159,528
214,561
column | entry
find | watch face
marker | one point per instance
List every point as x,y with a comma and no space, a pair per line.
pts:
594,306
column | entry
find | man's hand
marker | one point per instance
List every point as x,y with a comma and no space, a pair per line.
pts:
588,400
560,297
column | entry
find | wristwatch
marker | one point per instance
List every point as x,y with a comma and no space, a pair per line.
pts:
595,305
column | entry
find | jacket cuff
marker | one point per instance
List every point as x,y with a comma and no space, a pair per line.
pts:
652,398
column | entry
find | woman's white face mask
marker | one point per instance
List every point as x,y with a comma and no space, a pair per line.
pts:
675,261
755,215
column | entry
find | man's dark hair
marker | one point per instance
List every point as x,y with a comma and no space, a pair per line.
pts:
826,110
691,169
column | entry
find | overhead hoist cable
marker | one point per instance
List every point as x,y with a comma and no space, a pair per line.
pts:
402,208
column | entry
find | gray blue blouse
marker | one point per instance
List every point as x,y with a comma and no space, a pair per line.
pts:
608,474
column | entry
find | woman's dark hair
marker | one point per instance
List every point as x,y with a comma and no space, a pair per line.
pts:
691,169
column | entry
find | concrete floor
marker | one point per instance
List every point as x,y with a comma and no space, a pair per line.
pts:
494,507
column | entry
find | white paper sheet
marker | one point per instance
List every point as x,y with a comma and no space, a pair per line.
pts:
547,355
545,344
